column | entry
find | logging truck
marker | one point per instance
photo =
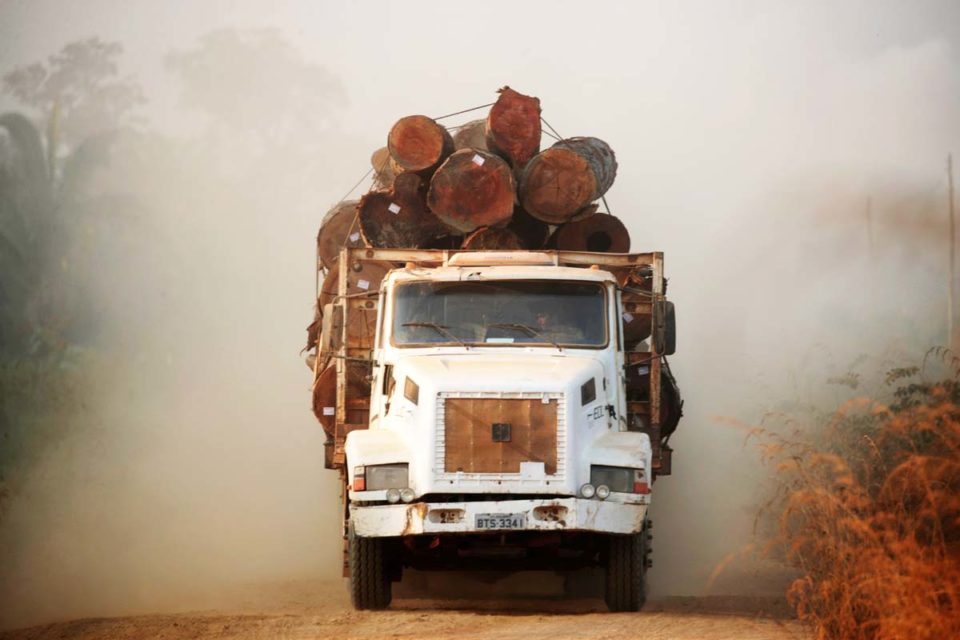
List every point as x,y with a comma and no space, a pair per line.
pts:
495,409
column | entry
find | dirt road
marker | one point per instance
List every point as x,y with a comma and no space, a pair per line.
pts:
313,609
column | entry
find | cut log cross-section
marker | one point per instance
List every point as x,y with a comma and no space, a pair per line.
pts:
600,232
419,144
472,135
340,228
472,189
384,169
399,218
560,181
513,127
364,279
492,238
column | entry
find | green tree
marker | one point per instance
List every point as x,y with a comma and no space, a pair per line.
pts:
78,92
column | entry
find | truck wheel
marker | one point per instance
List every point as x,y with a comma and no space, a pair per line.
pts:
626,588
369,581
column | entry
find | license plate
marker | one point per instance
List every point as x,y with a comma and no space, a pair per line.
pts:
501,520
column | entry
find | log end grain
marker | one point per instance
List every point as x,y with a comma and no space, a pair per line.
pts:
513,127
418,143
472,189
340,228
383,169
325,399
399,218
600,157
556,184
600,232
472,135
492,238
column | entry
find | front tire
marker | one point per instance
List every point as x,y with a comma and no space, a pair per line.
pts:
370,586
626,588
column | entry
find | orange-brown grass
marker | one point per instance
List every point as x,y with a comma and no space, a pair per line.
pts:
869,514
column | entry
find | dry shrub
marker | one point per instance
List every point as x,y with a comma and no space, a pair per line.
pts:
869,513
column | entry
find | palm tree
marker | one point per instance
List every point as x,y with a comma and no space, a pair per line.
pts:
26,219
42,214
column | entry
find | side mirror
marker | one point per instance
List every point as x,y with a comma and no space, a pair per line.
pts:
666,334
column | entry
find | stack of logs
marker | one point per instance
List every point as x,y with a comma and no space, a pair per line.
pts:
488,186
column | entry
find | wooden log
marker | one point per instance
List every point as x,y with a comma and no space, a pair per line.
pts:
586,212
399,219
340,228
384,169
313,330
419,144
445,242
364,277
325,398
636,294
325,395
472,189
472,135
513,127
599,232
560,181
533,233
492,238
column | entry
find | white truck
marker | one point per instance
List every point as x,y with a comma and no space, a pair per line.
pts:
497,409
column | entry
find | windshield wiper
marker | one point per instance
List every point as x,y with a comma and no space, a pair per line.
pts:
439,328
530,331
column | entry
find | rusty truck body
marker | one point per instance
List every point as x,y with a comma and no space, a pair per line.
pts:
497,409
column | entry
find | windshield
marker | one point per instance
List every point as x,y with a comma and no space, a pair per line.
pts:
548,313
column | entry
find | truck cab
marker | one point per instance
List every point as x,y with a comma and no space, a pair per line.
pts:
507,423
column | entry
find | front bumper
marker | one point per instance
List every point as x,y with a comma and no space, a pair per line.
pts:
564,514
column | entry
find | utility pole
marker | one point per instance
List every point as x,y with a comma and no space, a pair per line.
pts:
951,337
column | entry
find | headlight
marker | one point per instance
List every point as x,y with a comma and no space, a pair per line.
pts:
620,479
603,492
407,495
387,476
393,496
587,491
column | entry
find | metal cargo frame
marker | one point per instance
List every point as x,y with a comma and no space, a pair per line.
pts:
622,265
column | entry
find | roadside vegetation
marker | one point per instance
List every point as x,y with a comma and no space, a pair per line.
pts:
867,507
53,228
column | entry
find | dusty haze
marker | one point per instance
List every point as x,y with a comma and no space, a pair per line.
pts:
749,136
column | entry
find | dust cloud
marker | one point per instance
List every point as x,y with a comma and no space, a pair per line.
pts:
750,138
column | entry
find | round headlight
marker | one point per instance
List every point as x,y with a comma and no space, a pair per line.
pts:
587,490
393,496
407,495
603,492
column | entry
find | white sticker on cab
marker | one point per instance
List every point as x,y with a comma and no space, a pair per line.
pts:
363,284
328,411
394,208
478,159
627,317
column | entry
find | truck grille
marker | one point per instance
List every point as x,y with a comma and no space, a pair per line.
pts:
468,443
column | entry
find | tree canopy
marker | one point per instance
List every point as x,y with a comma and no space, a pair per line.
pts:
78,91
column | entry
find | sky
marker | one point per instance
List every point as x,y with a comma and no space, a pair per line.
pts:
749,136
